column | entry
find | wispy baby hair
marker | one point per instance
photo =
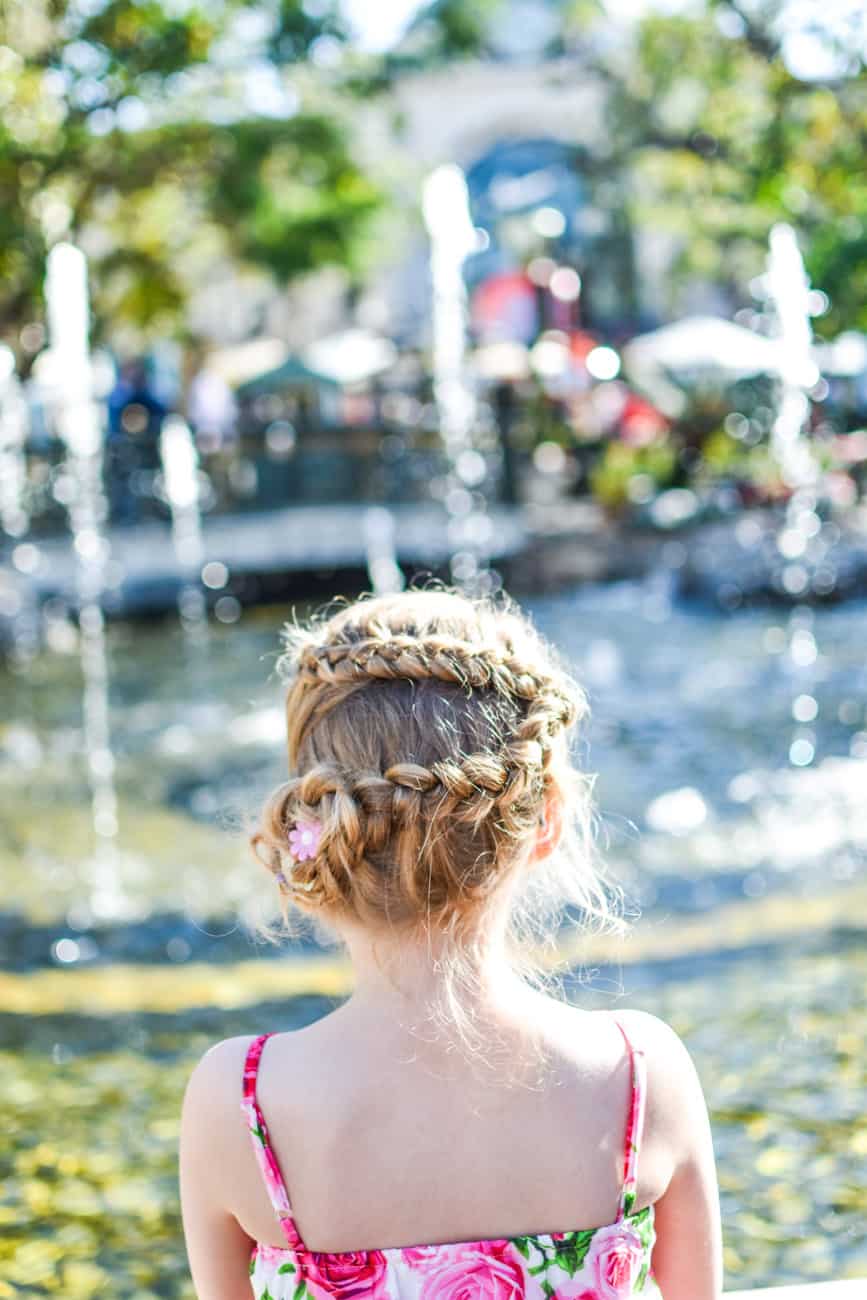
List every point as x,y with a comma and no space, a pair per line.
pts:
426,733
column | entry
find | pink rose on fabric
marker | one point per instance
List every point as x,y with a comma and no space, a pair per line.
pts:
489,1270
352,1273
616,1256
420,1258
304,840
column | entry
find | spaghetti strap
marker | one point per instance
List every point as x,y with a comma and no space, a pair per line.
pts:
634,1125
264,1152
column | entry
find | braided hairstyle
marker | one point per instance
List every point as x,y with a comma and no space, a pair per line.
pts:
426,733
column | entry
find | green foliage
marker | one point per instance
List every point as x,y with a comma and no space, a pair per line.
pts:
461,26
611,475
444,30
129,127
290,192
298,26
723,140
721,453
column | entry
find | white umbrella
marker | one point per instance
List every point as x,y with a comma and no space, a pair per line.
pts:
706,345
845,356
711,342
352,356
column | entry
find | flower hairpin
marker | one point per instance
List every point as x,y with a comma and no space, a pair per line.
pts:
304,840
303,845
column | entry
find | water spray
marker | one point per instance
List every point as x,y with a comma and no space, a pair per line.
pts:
79,427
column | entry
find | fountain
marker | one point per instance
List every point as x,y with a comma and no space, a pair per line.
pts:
802,557
787,290
13,434
382,567
453,237
180,464
79,427
19,614
689,729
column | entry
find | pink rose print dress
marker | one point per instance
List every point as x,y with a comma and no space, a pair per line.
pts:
608,1263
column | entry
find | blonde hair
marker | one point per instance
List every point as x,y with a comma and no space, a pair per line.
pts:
426,733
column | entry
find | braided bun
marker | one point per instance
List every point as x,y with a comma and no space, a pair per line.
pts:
426,733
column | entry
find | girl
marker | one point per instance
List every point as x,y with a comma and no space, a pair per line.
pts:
453,1130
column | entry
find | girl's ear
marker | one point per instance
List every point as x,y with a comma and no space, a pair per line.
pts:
550,829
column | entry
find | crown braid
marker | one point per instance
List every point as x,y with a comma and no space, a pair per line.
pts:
445,659
470,720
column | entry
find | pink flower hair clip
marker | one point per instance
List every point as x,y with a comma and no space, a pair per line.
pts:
303,845
304,840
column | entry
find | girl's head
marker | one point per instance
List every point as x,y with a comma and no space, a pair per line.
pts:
428,738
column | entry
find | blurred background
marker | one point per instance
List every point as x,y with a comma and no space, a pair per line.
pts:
298,300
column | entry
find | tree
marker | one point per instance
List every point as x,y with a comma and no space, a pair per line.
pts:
722,139
164,135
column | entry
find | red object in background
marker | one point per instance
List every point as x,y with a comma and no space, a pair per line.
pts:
640,422
581,344
503,309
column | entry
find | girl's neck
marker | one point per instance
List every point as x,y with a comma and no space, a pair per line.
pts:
394,968
476,1019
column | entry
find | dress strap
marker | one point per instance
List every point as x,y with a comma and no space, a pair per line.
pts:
634,1125
264,1152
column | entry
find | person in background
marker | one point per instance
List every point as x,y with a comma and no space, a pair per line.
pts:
211,410
135,416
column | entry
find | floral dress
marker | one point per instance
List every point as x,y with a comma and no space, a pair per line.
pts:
608,1263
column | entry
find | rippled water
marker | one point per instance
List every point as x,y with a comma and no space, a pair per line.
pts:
748,863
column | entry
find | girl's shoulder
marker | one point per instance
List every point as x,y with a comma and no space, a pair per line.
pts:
217,1079
219,1061
648,1033
215,1082
675,1113
663,1049
213,1142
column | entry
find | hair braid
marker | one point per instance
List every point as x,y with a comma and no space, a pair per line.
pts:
439,658
425,733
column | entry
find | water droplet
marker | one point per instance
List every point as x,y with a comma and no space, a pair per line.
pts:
227,609
801,752
804,708
66,951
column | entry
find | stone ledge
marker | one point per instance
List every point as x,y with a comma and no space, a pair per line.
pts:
806,1291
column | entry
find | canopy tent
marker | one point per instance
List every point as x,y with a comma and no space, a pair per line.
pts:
707,341
696,347
292,373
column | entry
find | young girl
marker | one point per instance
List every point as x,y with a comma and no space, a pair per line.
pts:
452,1131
